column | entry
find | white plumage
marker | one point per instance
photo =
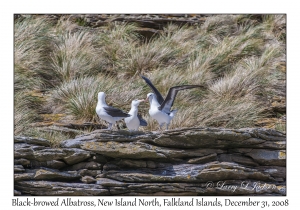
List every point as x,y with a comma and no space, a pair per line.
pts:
134,121
160,108
108,113
160,116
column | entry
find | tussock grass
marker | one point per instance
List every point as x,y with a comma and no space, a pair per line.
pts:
148,57
26,109
115,45
30,46
219,113
237,58
78,97
73,56
276,25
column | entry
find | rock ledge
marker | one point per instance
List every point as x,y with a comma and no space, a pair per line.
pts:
189,161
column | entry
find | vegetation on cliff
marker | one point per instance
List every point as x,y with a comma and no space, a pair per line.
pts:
61,65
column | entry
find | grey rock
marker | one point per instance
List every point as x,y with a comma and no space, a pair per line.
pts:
50,188
22,161
50,174
139,150
213,171
31,140
26,151
188,138
123,150
100,176
180,162
226,187
274,171
85,165
87,172
265,157
88,179
110,183
98,158
75,155
105,136
237,158
151,164
273,145
18,168
131,163
204,159
55,164
16,192
44,154
23,176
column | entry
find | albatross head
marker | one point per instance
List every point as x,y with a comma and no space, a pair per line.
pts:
101,96
150,96
136,103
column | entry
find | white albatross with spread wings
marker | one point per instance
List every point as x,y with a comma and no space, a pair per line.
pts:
135,120
160,108
109,113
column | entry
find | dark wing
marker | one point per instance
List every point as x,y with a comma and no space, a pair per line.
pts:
160,99
168,102
115,112
142,121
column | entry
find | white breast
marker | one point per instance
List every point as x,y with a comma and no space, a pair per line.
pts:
160,116
132,122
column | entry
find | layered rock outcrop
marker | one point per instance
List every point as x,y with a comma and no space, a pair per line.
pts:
192,161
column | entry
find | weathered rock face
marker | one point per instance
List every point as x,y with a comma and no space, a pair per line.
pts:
194,161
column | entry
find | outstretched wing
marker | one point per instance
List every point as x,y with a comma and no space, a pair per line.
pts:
168,102
142,121
160,99
115,112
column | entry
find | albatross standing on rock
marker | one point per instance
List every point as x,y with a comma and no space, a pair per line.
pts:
160,108
134,121
108,113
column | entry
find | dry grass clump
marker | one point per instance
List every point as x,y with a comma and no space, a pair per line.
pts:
26,108
78,97
239,59
115,44
73,55
30,46
54,137
276,25
219,113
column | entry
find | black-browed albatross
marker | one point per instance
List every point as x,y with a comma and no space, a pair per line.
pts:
109,113
135,120
160,108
